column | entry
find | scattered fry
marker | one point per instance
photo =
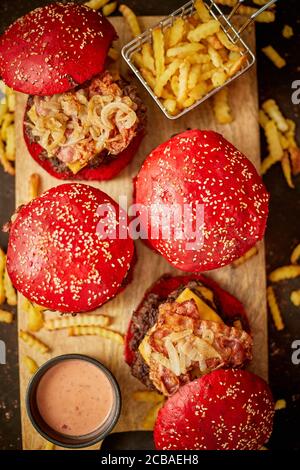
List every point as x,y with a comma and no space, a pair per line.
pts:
273,55
131,19
34,342
285,272
295,298
96,4
249,254
34,186
6,317
150,419
280,404
31,365
295,159
271,108
272,136
262,118
274,309
10,292
35,316
96,331
221,107
48,446
107,10
266,164
79,320
148,396
295,256
287,31
287,170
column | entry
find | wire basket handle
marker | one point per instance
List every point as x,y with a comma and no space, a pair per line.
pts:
252,17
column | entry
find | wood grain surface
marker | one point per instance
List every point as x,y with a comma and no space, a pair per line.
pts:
247,282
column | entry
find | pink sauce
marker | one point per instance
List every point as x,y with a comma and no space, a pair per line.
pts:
74,397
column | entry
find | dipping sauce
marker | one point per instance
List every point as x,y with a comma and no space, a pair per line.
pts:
74,397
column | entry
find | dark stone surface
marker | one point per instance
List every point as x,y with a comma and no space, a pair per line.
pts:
283,231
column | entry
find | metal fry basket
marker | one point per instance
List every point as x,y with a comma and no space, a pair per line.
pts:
233,33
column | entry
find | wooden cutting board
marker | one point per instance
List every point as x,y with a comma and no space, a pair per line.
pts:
246,282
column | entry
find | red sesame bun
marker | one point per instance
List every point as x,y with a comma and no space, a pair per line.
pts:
223,410
55,256
201,167
230,306
54,48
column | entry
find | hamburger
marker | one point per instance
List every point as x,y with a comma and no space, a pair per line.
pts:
224,410
80,122
186,327
56,255
201,170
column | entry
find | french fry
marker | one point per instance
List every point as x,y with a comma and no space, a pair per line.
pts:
7,166
184,50
150,419
10,293
280,404
131,19
10,142
203,31
113,53
34,186
79,320
295,256
138,60
11,102
30,364
272,109
273,140
287,31
158,51
35,317
214,42
226,41
265,17
148,396
262,118
236,66
96,4
215,57
188,102
295,298
295,159
148,59
221,107
218,78
96,331
48,446
3,111
149,77
285,272
248,255
194,76
34,342
287,170
291,133
202,11
170,105
198,91
177,31
184,69
266,164
6,317
274,309
273,55
165,77
107,10
2,271
199,59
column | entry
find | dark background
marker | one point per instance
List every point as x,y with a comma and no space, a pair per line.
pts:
282,235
